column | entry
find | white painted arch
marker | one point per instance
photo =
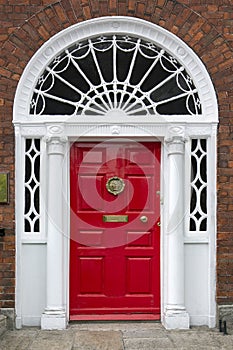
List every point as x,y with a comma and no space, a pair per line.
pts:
56,132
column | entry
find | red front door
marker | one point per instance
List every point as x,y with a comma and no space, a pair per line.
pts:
115,236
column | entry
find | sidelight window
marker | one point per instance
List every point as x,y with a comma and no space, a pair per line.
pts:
198,186
32,186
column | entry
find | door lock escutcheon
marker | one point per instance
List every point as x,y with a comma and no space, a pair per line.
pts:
144,219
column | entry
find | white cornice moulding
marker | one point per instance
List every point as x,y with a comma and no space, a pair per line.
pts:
72,130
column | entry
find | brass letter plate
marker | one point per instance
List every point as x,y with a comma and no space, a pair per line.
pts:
115,218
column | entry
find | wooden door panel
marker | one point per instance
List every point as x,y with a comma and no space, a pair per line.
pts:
92,238
139,239
87,184
139,275
141,197
93,268
93,157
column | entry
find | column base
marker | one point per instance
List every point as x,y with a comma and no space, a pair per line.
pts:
53,320
176,319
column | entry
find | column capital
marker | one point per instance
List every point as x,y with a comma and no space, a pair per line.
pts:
55,143
175,139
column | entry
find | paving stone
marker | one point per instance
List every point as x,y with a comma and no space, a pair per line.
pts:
144,333
225,341
98,340
200,348
53,340
191,339
147,343
20,340
97,326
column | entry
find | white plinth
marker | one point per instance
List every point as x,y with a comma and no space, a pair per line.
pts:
53,321
176,320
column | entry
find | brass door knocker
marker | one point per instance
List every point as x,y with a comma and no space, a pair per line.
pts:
115,185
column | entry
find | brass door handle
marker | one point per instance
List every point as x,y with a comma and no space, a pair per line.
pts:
144,219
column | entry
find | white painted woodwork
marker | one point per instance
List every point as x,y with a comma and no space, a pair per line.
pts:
54,316
175,315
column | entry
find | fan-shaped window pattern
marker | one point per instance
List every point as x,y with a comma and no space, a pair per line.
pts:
110,73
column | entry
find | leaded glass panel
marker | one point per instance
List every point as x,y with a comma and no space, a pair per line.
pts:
198,201
115,72
32,186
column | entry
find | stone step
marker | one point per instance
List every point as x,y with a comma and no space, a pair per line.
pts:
3,324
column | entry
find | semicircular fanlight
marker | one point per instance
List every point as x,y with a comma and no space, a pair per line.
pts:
115,73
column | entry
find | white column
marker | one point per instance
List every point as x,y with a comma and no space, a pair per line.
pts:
175,313
54,316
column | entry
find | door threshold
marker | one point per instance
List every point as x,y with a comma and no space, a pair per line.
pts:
115,317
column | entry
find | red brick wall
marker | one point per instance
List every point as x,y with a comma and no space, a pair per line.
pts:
206,26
